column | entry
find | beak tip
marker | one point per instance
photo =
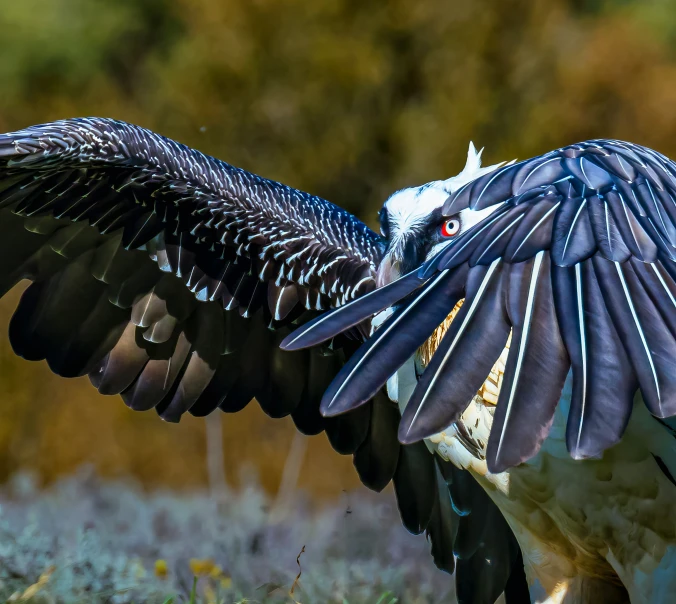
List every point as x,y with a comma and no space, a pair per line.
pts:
387,271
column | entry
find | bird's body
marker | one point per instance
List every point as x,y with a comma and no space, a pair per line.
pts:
522,316
589,529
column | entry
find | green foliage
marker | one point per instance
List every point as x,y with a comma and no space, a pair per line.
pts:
193,591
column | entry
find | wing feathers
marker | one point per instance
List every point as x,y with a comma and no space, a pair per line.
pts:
527,402
606,233
328,325
324,364
604,382
415,466
376,458
286,381
646,337
348,431
533,233
598,220
463,360
534,174
497,236
204,331
120,367
573,238
442,527
159,374
89,341
393,343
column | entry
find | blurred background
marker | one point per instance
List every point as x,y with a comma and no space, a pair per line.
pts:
347,99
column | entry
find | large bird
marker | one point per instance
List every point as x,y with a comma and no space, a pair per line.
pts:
513,327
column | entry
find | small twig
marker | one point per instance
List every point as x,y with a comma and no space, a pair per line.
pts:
300,572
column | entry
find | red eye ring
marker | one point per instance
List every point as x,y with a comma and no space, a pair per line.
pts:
450,228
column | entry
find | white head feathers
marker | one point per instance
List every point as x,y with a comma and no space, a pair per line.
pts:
410,207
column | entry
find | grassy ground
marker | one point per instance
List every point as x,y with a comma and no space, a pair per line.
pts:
84,540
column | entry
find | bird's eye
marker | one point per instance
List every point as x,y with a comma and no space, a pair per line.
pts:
450,228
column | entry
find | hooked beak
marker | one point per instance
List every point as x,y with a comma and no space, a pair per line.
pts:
402,257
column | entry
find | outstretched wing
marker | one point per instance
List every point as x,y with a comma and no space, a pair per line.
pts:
136,244
190,209
578,262
170,277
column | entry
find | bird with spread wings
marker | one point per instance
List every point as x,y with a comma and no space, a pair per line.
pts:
504,351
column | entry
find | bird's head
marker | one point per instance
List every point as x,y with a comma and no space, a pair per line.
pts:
412,223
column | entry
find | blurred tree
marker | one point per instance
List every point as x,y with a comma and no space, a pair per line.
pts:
347,99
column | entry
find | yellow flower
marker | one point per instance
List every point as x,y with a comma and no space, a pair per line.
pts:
161,569
216,572
204,566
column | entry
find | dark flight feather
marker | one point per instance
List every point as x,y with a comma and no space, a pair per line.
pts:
204,331
90,341
286,382
216,391
608,239
376,458
495,238
348,431
161,330
661,289
395,341
324,364
537,173
534,232
484,575
654,208
332,323
120,367
462,488
463,360
497,184
158,375
148,310
48,315
253,370
536,352
603,380
588,173
648,342
415,465
442,528
471,526
488,556
573,238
